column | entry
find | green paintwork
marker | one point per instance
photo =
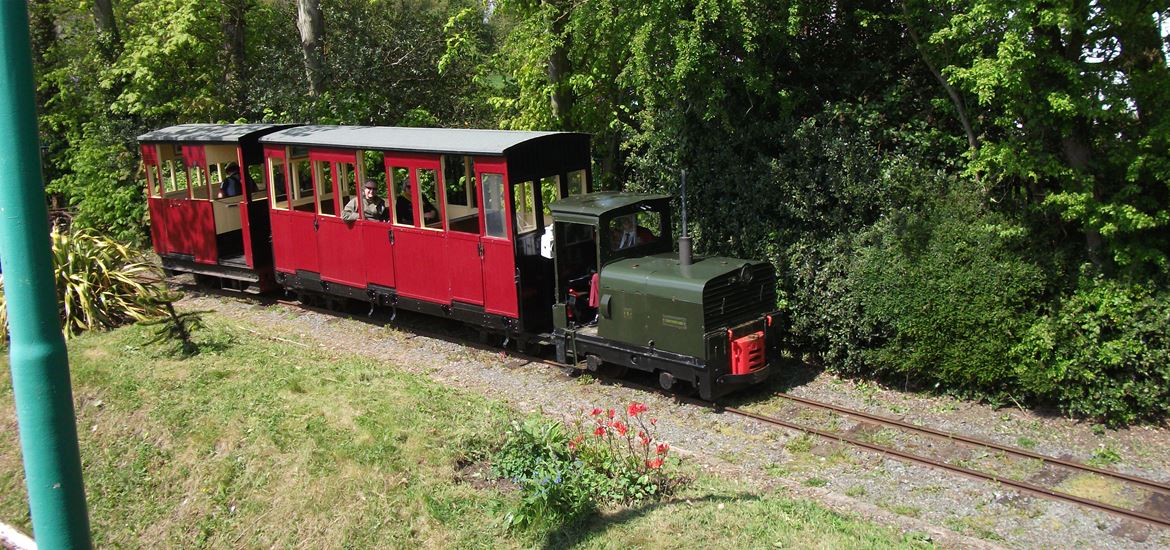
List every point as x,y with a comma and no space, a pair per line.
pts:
588,209
652,299
37,356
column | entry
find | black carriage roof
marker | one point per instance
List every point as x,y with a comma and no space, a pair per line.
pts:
208,133
414,140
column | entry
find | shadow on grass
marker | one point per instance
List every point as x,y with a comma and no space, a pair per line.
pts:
572,534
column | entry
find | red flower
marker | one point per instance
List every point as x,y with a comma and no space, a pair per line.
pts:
635,408
663,448
600,431
644,438
575,441
654,464
621,428
653,421
609,413
596,411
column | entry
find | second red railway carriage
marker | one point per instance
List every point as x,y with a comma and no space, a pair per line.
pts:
466,213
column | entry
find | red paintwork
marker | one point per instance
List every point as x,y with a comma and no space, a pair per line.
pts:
378,252
500,295
198,215
419,259
465,266
747,353
154,205
283,249
339,244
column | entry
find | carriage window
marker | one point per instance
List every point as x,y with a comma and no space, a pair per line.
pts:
301,184
525,207
427,192
255,181
345,183
175,178
400,191
634,230
200,185
373,167
576,180
495,212
279,199
152,180
550,190
459,190
323,176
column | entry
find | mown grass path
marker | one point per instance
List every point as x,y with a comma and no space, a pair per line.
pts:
256,443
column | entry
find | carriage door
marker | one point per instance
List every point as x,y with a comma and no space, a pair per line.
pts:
155,201
279,208
339,243
377,235
420,265
302,216
199,216
499,260
464,229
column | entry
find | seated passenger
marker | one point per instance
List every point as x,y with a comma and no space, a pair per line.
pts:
230,186
404,209
373,207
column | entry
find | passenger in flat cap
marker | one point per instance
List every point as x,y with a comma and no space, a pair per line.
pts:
373,207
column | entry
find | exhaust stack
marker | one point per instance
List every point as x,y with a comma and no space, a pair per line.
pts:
684,240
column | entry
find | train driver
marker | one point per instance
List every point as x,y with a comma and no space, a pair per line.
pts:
373,206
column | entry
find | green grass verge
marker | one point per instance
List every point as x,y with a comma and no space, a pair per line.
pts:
260,444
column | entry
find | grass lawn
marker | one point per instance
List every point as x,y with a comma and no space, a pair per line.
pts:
256,443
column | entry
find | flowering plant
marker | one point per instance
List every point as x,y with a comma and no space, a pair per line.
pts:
565,470
625,448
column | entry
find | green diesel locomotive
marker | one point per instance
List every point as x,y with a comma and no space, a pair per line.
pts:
626,300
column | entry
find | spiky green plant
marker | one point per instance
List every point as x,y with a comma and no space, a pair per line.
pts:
101,283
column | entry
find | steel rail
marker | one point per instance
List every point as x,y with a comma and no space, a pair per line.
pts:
975,474
907,457
893,422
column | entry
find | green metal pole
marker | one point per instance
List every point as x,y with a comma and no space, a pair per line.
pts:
40,367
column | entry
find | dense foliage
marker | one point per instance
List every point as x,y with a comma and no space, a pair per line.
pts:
101,283
954,192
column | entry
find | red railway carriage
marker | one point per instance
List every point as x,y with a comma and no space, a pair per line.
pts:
195,230
461,235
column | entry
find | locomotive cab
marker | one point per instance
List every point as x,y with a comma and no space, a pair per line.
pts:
625,301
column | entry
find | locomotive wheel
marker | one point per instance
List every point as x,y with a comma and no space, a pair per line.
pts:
603,369
666,380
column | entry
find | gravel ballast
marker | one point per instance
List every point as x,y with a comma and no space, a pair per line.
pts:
954,511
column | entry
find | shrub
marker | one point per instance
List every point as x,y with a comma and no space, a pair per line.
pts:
1102,352
100,283
565,473
953,288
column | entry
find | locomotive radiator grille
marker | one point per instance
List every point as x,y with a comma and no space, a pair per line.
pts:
729,300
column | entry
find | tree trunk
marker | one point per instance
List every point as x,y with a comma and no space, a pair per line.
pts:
558,67
956,98
1142,61
233,25
109,40
312,27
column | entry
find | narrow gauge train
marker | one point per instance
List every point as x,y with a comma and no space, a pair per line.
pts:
498,229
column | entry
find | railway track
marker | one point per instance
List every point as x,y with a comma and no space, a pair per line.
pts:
1157,492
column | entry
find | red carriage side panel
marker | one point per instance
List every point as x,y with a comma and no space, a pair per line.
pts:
339,244
199,214
499,259
276,175
419,250
465,267
155,202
